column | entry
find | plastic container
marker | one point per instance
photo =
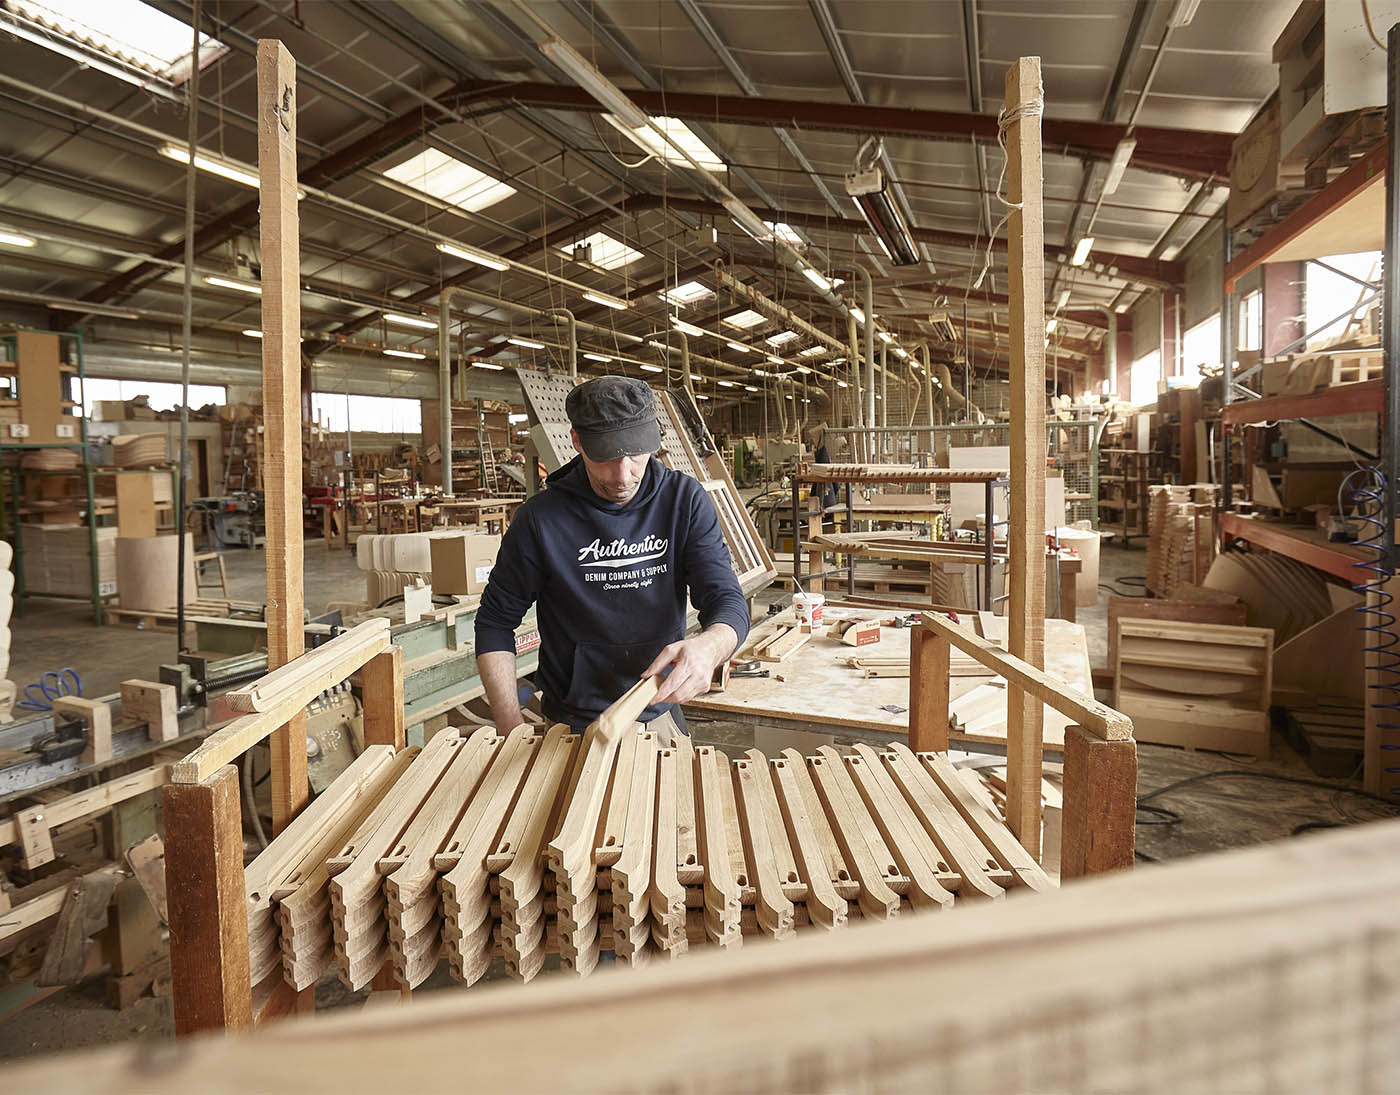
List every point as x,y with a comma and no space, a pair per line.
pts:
809,609
1085,542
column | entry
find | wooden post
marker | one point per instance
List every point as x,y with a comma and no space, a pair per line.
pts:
1100,804
1026,539
281,377
209,971
381,694
928,691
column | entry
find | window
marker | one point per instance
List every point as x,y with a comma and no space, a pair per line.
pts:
679,135
1251,333
686,293
783,231
601,250
782,338
367,413
140,40
163,395
743,320
441,176
1329,294
1142,381
1201,346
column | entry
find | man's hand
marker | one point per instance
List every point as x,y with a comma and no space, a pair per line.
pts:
692,663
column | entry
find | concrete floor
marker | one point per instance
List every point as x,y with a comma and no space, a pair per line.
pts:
1214,814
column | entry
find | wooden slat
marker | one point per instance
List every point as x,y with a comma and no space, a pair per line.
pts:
279,235
1025,235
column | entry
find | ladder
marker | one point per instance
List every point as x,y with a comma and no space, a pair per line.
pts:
489,477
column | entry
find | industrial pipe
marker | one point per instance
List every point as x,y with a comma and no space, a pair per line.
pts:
1110,356
445,387
573,338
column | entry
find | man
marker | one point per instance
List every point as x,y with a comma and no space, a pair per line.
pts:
608,553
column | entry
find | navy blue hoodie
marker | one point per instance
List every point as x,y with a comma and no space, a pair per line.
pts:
609,582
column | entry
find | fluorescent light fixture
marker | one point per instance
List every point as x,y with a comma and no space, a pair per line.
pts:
679,143
488,365
1063,299
750,388
1081,251
448,179
785,232
240,286
725,383
16,239
1050,325
577,67
412,355
803,370
743,320
885,336
411,321
606,300
774,359
527,343
870,192
686,328
746,219
842,384
687,293
759,372
253,333
705,397
651,369
1119,164
697,379
782,338
1121,309
474,254
217,165
738,346
602,251
1183,13
815,276
143,42
860,316
598,357
902,352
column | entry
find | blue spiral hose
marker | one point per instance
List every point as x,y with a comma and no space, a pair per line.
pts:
1365,488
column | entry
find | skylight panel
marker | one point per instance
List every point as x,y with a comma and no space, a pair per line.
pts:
448,179
811,351
679,135
743,320
139,37
782,338
601,250
686,293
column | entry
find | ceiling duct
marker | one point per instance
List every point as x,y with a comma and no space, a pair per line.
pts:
869,189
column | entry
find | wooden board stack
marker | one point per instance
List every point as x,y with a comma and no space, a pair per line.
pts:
540,842
1181,536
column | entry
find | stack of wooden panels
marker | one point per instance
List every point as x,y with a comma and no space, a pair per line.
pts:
1181,536
1203,686
542,842
1279,593
58,560
138,450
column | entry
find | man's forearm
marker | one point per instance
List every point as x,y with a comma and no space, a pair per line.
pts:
725,639
497,670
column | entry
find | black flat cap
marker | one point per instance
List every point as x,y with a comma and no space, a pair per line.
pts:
614,416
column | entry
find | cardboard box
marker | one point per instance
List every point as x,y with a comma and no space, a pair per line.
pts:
462,564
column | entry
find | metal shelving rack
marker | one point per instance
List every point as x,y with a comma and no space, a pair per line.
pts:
17,480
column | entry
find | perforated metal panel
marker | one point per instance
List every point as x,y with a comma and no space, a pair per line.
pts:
676,456
544,400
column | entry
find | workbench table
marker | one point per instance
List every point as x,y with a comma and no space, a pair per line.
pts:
821,694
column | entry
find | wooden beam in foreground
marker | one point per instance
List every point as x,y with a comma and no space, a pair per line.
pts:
1025,234
278,228
1132,972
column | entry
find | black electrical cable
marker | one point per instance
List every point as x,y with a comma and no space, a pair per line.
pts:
1164,816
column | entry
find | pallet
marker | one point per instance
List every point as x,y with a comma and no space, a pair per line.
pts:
139,619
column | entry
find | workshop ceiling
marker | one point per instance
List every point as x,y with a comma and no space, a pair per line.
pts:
781,93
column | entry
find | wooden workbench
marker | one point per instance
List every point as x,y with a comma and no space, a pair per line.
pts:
820,693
